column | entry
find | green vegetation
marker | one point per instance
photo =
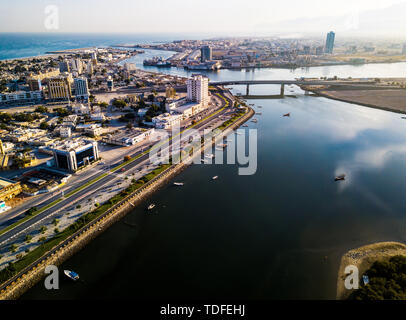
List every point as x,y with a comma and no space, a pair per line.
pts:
41,109
61,112
28,238
13,268
119,103
44,125
31,211
387,281
235,117
19,117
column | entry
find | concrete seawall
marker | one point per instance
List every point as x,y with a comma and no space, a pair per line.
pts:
35,272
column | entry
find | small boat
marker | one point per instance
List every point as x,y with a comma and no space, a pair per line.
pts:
151,206
254,120
215,178
245,126
340,177
72,275
259,113
179,184
259,106
287,115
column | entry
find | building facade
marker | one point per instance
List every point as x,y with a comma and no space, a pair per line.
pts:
206,53
59,88
330,42
74,155
21,97
198,90
81,88
9,189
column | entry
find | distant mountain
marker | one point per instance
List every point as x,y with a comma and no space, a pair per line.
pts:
390,21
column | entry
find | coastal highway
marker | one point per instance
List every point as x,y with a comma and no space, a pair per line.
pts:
69,201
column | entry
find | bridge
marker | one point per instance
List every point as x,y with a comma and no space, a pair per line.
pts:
249,83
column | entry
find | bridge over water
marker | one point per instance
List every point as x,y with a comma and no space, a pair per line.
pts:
249,83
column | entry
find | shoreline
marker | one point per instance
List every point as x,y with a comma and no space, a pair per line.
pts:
364,104
27,278
50,54
363,258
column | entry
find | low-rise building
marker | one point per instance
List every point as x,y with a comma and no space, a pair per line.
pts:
167,120
21,97
129,137
65,132
70,121
74,154
9,189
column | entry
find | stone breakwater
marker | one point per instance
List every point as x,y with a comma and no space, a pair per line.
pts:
34,273
363,258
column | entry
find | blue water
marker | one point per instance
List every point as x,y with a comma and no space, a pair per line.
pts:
22,45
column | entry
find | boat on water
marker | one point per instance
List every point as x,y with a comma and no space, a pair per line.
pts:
287,115
259,106
72,275
340,177
245,126
151,206
254,120
215,178
259,113
178,184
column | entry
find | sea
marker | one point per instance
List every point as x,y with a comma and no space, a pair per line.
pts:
277,234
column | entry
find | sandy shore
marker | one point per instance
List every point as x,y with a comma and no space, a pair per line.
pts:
363,258
388,100
53,54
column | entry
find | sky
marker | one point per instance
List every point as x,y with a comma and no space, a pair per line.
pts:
215,17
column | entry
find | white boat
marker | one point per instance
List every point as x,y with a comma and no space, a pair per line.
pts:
71,274
215,178
340,177
254,120
179,184
151,206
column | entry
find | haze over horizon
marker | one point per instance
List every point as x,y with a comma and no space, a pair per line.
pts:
211,18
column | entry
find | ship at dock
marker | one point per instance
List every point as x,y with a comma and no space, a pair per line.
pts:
157,62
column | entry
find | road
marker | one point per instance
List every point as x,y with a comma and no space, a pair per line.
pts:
78,195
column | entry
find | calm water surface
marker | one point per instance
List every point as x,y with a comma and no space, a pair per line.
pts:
278,234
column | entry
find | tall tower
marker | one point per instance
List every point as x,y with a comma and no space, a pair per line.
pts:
206,53
198,89
330,42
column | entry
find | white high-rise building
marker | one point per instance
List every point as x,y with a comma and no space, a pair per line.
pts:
198,89
81,88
